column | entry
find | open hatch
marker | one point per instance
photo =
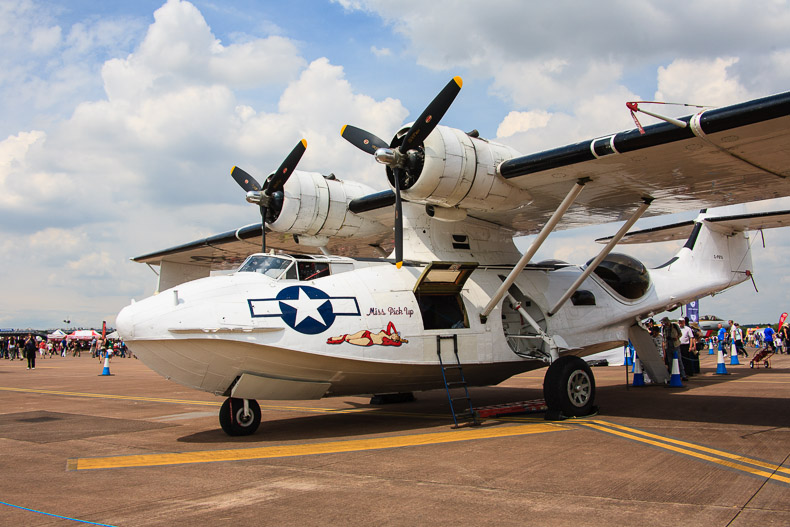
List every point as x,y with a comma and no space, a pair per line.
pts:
438,293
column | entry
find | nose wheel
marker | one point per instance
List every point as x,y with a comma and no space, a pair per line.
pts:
569,387
239,417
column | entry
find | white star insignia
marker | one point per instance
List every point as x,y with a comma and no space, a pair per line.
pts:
307,307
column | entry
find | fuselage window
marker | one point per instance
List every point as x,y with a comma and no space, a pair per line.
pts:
312,270
583,297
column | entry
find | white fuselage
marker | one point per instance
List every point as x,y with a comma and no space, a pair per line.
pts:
362,329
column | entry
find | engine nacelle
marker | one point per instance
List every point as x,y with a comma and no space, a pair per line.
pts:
317,207
461,171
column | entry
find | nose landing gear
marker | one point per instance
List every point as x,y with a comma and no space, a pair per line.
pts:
239,417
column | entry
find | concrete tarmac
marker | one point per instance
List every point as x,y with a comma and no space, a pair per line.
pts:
133,449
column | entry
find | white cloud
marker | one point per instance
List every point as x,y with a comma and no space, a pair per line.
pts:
704,82
44,39
516,122
15,167
180,50
380,52
93,264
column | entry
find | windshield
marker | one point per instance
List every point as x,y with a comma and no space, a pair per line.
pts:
271,266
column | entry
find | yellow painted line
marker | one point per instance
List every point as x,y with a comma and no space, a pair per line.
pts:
334,447
705,457
279,408
761,382
110,396
735,457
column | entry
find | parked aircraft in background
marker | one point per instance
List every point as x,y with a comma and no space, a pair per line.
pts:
325,312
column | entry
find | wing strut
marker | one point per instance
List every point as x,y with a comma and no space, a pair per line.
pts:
603,254
536,243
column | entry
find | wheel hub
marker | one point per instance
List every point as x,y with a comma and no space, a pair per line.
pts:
579,388
243,420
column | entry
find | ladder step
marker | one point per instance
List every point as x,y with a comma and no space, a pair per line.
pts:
458,384
452,367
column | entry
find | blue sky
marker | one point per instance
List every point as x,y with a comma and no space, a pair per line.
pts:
121,120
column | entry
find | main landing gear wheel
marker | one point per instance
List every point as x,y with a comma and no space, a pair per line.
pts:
233,420
569,388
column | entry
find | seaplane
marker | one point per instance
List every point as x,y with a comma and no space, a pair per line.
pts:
342,290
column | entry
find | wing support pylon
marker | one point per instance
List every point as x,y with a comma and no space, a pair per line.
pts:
547,229
601,255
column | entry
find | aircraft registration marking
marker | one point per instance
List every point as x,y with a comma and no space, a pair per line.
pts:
332,447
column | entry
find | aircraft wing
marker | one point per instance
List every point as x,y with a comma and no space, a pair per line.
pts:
227,250
723,156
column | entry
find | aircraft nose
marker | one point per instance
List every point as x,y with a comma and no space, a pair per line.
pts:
124,324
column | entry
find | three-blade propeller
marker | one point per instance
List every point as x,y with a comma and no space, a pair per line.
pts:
269,196
405,157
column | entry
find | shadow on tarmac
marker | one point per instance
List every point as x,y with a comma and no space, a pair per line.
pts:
430,410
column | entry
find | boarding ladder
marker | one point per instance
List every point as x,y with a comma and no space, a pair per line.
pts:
457,389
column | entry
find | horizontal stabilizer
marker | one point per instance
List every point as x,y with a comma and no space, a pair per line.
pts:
753,222
732,223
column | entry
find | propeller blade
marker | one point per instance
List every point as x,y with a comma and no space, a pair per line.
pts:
398,221
362,139
263,229
431,116
245,181
278,179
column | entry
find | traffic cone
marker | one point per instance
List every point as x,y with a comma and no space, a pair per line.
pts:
627,353
639,377
720,369
710,347
106,370
734,356
674,379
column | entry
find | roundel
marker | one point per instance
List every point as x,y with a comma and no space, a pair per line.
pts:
306,309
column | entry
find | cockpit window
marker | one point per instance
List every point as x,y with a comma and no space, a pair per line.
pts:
269,265
285,267
625,274
312,270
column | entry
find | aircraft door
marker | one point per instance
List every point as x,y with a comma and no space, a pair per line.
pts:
442,308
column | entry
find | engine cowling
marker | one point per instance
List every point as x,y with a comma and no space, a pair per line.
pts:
317,207
461,171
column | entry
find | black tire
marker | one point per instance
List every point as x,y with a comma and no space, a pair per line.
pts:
231,417
569,387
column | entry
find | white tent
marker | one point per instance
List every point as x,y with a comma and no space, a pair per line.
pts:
57,335
84,334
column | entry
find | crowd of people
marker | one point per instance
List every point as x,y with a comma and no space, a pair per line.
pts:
687,340
30,346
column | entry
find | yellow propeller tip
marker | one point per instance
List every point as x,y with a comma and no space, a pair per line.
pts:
304,142
398,264
343,129
459,81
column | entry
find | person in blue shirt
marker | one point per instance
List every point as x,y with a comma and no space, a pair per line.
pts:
721,336
768,335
